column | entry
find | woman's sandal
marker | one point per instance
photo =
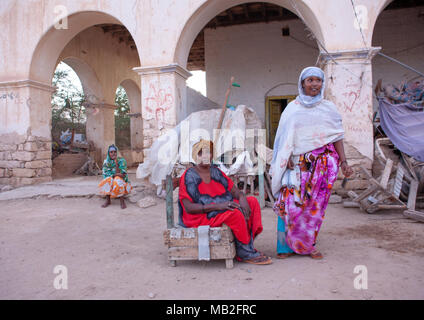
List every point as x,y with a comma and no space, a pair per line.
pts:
316,255
285,255
260,260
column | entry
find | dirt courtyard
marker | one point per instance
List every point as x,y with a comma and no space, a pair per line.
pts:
119,254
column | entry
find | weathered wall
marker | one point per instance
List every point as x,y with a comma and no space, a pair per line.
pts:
25,143
260,58
163,32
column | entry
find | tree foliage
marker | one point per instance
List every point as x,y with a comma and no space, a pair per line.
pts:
122,119
68,111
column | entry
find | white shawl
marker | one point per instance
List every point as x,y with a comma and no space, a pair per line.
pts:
302,129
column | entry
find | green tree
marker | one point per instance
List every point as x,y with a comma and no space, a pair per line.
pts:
122,119
67,101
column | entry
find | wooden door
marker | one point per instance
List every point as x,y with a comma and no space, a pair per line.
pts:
274,107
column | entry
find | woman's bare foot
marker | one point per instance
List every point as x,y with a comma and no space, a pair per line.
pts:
123,205
316,254
107,202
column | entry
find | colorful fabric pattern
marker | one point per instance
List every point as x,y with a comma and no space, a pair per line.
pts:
302,209
109,166
233,218
410,92
114,187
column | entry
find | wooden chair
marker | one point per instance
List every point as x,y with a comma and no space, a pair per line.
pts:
186,244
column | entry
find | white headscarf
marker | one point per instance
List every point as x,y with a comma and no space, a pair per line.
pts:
309,101
306,124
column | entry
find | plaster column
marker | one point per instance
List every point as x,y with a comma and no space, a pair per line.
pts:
349,86
164,100
25,132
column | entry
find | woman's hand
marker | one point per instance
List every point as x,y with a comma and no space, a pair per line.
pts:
346,169
290,164
227,205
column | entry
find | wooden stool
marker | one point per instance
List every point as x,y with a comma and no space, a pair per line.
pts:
183,243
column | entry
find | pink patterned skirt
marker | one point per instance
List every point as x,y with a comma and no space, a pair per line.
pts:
303,210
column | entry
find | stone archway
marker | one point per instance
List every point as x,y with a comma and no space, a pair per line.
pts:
275,29
27,130
212,8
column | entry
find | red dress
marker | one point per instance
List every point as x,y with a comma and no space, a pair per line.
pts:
232,218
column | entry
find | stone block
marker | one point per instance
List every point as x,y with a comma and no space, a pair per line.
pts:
31,146
2,172
335,199
38,139
37,164
5,181
44,172
45,146
23,156
8,173
10,164
8,147
43,155
146,202
13,139
24,173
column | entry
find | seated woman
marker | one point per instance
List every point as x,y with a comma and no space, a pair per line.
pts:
208,197
115,182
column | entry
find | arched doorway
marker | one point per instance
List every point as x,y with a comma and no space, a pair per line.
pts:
220,38
102,52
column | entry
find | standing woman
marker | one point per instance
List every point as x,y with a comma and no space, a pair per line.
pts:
308,151
115,182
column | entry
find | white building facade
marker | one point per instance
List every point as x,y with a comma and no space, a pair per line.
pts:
145,46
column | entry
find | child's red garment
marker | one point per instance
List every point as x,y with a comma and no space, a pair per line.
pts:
233,218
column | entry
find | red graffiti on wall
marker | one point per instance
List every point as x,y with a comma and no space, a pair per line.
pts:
351,98
158,102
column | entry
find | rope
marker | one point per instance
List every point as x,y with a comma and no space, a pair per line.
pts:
402,64
359,24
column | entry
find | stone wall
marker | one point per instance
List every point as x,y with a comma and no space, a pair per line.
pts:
27,162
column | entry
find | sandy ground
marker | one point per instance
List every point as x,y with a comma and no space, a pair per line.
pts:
119,254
